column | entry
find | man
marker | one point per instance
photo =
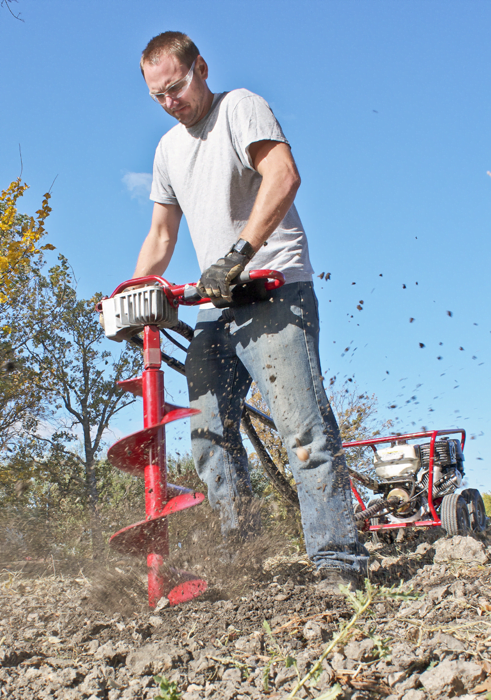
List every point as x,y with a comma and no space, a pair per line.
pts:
228,167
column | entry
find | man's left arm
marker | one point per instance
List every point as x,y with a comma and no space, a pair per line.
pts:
280,181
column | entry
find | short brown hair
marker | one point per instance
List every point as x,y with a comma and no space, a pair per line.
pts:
174,43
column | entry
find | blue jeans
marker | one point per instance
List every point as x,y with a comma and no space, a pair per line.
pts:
275,343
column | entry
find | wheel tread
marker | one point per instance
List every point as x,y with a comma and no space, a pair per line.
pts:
454,514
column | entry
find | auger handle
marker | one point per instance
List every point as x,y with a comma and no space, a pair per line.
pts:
187,294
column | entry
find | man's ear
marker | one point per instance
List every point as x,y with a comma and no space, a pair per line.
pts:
202,67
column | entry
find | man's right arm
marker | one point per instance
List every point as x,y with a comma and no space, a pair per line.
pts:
159,245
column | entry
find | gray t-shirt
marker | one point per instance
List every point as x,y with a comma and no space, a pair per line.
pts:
207,170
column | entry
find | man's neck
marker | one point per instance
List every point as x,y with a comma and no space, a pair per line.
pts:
207,105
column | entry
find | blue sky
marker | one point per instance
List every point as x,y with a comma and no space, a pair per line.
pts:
387,105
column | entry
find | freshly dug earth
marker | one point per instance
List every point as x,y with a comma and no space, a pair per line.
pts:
77,629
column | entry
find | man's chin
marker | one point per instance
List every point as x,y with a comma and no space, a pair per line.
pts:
183,115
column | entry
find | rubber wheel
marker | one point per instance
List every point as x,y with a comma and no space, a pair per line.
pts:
454,515
476,508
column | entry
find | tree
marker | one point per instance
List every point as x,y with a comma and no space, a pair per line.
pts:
357,417
7,4
20,236
79,376
21,261
62,394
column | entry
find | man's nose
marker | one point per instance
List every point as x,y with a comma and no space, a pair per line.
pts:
170,102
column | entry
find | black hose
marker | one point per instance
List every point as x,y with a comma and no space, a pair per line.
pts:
173,340
279,481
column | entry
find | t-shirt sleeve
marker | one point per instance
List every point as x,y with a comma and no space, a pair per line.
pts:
253,120
162,191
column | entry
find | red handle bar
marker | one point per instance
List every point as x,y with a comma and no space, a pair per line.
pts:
187,294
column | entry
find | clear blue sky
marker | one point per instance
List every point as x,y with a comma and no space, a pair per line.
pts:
387,105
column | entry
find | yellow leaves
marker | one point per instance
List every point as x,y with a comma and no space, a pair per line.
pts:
19,236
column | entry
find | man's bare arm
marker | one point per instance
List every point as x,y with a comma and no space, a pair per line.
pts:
158,247
281,180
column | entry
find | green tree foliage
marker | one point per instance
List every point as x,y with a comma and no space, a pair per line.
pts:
58,379
21,261
19,240
486,497
79,376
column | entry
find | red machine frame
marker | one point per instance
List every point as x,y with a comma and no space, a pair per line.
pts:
433,434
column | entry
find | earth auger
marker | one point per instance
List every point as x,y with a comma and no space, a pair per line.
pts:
128,314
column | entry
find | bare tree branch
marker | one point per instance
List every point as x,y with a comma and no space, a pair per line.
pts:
6,3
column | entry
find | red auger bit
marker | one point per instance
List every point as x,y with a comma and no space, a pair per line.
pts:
143,453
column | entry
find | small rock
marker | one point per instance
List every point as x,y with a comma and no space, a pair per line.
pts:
408,684
446,641
92,684
338,661
422,549
233,675
325,679
201,663
452,677
458,589
155,620
394,678
460,548
418,606
230,691
390,561
106,651
312,630
436,595
414,695
402,657
148,659
285,675
360,651
249,644
92,646
162,604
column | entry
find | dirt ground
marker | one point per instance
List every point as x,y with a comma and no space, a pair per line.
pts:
75,629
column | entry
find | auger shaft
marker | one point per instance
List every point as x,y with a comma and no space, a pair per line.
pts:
156,471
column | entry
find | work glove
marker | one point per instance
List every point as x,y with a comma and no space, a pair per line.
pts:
215,281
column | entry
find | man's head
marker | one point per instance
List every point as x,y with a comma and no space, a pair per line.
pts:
176,76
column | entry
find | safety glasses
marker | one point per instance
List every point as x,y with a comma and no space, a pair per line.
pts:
175,91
